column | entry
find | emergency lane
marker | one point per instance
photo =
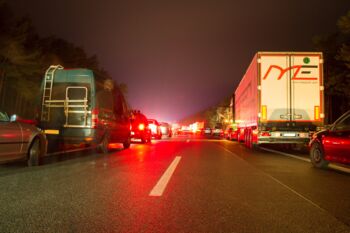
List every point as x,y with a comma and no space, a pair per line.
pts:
328,188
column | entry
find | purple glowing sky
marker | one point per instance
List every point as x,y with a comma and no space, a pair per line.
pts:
179,57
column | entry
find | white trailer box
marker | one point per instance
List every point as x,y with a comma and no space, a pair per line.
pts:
280,98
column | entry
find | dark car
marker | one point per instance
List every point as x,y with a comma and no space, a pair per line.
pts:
166,129
155,128
332,144
139,127
20,141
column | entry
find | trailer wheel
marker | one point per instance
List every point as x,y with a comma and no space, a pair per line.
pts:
249,139
317,156
34,153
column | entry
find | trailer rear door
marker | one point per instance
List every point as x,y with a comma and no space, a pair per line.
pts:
274,86
306,87
291,87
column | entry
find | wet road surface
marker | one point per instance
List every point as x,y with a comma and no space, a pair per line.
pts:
202,186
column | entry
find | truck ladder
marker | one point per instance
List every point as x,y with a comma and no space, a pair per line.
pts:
47,92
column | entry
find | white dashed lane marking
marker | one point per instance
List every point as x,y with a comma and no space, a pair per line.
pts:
159,188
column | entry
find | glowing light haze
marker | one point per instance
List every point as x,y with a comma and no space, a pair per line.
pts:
179,57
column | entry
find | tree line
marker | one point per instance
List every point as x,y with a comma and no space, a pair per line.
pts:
336,51
25,56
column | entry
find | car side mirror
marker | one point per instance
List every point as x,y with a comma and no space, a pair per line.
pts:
13,118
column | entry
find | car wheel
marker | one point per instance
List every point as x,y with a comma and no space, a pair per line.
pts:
143,140
103,147
126,144
149,139
317,156
34,153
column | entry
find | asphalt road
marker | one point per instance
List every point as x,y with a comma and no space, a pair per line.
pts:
177,185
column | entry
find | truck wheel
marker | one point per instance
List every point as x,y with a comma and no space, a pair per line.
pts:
34,153
249,140
103,147
317,156
126,144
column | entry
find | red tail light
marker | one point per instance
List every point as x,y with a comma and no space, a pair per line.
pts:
141,126
265,134
94,118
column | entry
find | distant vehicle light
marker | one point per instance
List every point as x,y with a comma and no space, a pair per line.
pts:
163,129
153,128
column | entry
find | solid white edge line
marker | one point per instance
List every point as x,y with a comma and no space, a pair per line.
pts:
159,188
286,154
330,165
276,180
69,151
339,168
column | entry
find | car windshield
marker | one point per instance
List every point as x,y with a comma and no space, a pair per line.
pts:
4,117
344,124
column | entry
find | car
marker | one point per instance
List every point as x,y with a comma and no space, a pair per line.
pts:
217,131
155,128
139,127
230,133
166,129
332,144
207,131
21,141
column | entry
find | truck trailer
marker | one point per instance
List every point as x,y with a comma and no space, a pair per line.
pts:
280,98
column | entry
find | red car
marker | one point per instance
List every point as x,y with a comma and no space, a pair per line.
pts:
140,128
332,144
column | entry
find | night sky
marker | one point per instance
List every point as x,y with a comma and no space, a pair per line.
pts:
179,57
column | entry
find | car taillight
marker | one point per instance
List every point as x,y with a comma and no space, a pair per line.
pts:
265,134
141,126
94,118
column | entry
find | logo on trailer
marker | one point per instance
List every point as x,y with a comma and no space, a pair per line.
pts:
297,68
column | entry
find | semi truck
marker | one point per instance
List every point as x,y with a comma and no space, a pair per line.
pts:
280,98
